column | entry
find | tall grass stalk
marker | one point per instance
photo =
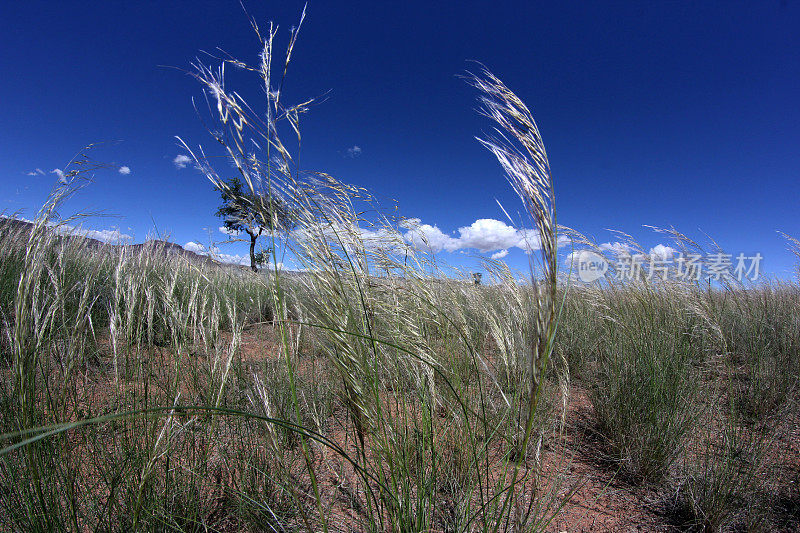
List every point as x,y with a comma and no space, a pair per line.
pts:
519,149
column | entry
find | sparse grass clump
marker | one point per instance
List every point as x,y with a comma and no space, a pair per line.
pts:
644,382
720,484
762,330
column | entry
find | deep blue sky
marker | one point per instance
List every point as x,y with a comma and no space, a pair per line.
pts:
669,113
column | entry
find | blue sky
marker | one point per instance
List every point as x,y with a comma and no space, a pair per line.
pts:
668,114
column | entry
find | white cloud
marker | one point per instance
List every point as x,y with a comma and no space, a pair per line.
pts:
197,248
488,234
182,161
663,252
351,237
124,170
429,238
659,251
107,235
60,173
21,219
382,238
231,259
485,235
354,151
618,248
571,261
110,236
36,172
230,232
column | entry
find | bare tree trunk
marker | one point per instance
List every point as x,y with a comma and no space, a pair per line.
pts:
253,252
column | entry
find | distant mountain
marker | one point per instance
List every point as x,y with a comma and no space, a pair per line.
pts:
155,245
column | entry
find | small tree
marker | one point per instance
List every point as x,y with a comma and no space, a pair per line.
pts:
252,212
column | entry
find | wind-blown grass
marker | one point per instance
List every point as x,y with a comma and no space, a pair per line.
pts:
143,390
418,447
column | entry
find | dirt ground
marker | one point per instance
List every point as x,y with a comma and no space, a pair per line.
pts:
603,500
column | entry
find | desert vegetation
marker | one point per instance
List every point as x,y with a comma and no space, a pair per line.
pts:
377,390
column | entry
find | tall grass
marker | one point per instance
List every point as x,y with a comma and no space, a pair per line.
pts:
97,331
645,380
143,390
371,402
762,330
692,387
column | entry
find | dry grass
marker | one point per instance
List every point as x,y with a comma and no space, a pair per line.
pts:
142,390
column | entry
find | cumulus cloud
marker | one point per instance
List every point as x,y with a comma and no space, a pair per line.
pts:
60,173
36,172
181,161
618,248
229,232
485,235
195,247
124,170
615,253
215,253
352,237
234,259
663,252
659,251
380,238
428,238
571,261
354,151
111,236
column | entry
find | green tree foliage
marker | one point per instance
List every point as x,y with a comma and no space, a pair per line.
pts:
245,210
